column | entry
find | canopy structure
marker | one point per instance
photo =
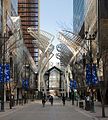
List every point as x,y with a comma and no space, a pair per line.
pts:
71,50
64,54
74,43
43,41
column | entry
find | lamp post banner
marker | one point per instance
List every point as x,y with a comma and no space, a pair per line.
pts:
25,84
1,73
7,73
94,80
73,84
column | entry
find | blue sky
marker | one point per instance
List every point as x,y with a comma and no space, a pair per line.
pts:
54,15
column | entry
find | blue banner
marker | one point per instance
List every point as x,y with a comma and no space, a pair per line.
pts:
91,79
1,73
25,84
94,75
6,73
88,74
73,84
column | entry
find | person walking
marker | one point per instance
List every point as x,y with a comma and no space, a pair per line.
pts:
43,101
51,100
63,100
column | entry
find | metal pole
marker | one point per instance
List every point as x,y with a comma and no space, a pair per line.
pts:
91,64
2,86
25,83
90,38
102,90
10,97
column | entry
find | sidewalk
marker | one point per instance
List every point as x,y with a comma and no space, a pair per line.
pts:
98,111
97,114
15,108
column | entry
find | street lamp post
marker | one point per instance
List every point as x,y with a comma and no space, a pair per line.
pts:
11,72
90,38
3,75
102,86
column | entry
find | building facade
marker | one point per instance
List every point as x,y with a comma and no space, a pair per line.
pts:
7,43
14,7
28,10
78,15
97,20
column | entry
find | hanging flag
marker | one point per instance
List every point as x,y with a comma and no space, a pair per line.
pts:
88,74
73,84
1,73
7,72
94,75
91,79
25,84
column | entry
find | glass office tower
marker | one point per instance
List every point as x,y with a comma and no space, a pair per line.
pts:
14,7
78,15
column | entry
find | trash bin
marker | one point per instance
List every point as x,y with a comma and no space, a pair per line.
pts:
87,105
81,104
92,106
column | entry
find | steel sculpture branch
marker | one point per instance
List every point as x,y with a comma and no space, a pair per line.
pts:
73,42
71,46
64,54
43,40
63,49
62,59
42,72
76,39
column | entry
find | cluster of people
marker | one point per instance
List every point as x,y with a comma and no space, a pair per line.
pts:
51,100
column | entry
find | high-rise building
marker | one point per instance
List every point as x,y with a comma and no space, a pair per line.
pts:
0,15
14,7
103,25
28,10
78,15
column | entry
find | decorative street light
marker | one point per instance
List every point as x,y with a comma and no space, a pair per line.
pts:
3,76
90,37
102,86
3,73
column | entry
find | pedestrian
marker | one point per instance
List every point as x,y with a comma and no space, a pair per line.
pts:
87,102
43,101
51,100
63,100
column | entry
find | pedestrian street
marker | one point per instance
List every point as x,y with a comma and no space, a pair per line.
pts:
35,111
